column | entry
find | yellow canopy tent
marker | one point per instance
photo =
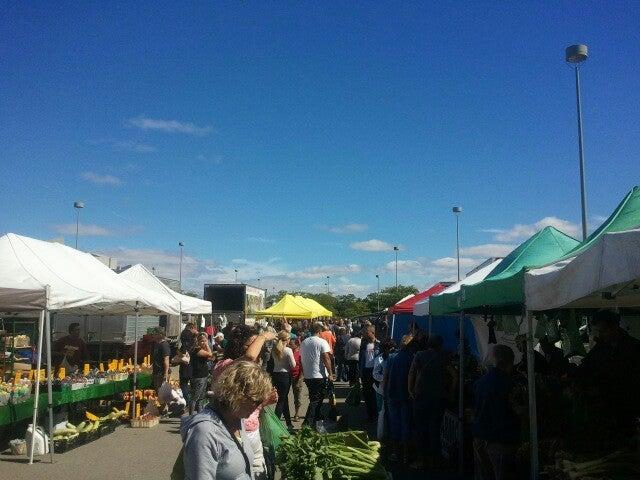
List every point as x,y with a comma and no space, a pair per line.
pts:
317,309
288,307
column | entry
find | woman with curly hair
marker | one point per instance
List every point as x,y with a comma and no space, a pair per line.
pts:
245,344
216,445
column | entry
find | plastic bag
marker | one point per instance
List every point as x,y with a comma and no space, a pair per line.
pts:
272,430
354,397
165,393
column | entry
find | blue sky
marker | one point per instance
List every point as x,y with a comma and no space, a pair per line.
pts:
281,139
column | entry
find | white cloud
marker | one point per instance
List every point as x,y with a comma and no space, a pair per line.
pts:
98,179
84,230
488,250
211,160
452,263
324,270
133,147
260,240
373,245
124,145
169,126
405,266
524,231
348,228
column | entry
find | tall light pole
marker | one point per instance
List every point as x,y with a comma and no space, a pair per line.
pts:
574,56
77,206
236,272
327,284
180,244
378,294
395,249
457,211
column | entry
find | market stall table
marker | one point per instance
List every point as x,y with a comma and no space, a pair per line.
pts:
14,413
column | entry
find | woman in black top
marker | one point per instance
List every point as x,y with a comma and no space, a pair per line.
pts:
200,355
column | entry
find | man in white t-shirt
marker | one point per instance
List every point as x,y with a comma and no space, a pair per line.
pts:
315,357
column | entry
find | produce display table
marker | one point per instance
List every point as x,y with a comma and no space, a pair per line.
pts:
13,413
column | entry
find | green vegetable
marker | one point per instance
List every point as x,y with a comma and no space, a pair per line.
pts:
346,455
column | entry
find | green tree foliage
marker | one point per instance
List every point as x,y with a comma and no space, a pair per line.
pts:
349,305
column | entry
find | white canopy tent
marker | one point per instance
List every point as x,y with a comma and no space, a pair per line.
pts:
605,275
422,307
140,275
38,278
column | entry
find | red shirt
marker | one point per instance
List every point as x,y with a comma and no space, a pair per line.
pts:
297,370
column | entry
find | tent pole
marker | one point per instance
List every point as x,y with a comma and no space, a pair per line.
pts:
49,379
135,363
461,397
36,377
393,324
100,347
533,414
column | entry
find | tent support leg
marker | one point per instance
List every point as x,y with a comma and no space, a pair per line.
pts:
393,324
36,379
533,414
135,363
430,324
461,397
49,380
100,344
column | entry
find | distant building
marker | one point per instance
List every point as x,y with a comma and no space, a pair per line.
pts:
110,262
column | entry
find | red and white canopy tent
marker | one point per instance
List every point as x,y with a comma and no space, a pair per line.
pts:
405,305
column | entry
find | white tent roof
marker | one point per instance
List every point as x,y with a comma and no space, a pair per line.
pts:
140,275
422,307
605,275
78,283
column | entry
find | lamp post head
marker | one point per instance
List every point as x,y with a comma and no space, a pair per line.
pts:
456,209
576,54
395,248
377,276
180,244
78,205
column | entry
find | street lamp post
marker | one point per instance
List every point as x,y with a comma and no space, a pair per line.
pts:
575,55
378,294
457,211
77,206
327,284
395,249
236,272
180,244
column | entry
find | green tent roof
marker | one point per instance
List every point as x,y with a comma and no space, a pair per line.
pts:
626,216
503,289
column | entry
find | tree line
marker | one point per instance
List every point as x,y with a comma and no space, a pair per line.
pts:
350,305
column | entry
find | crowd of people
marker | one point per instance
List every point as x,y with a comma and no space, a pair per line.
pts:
228,377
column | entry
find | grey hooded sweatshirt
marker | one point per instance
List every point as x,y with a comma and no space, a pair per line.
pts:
209,450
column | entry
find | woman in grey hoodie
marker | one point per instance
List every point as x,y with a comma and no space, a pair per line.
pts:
216,446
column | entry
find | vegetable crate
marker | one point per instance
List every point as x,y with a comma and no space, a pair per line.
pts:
64,446
145,422
450,435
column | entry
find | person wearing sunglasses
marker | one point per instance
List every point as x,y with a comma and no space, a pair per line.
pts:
216,445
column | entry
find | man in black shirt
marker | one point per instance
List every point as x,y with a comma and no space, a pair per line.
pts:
160,358
187,342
